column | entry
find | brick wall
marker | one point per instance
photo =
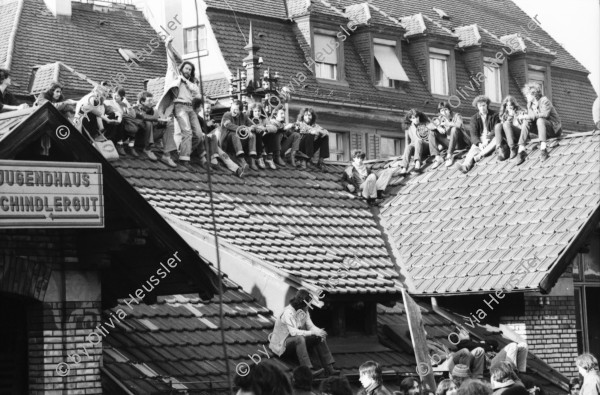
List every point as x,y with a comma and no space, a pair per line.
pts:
549,331
33,262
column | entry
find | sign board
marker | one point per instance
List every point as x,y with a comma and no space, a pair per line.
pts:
51,195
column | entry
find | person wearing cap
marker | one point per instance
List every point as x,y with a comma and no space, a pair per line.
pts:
358,178
459,374
294,331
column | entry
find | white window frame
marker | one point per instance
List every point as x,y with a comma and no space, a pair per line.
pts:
493,81
204,40
326,71
442,55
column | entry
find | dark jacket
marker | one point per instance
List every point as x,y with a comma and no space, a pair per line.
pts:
477,125
352,177
7,98
145,113
379,390
545,110
229,124
204,126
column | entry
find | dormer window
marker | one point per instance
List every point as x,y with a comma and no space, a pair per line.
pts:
326,56
389,72
493,81
438,71
537,74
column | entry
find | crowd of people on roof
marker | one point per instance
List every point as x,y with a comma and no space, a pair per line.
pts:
465,367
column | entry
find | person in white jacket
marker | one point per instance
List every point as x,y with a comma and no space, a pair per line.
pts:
294,331
180,89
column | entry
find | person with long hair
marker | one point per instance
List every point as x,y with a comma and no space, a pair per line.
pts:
509,125
587,364
447,130
483,140
474,387
358,178
541,118
55,96
294,332
302,381
313,137
371,379
180,89
408,385
446,387
418,134
503,378
287,138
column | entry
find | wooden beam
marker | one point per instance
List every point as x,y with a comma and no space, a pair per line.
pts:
419,342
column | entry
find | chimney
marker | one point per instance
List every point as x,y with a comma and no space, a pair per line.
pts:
61,9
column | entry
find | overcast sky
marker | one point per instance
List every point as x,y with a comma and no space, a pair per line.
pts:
575,24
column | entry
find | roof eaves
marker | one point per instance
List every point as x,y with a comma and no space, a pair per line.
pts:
13,35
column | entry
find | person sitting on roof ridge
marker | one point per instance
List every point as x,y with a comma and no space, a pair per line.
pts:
54,95
154,128
7,100
289,140
483,139
510,124
294,332
180,88
240,142
276,130
90,111
312,138
371,379
121,131
419,140
541,118
358,178
210,146
447,130
264,140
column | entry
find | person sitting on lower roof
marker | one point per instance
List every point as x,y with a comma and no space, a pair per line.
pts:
7,100
371,378
515,353
313,138
447,130
358,178
294,332
237,134
258,117
483,139
419,140
541,118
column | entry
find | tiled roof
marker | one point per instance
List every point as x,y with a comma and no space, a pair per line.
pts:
359,13
263,213
8,14
473,233
393,330
11,119
267,8
179,339
88,44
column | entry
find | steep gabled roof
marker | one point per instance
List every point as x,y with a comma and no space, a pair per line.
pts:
498,226
59,72
20,132
88,43
301,222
